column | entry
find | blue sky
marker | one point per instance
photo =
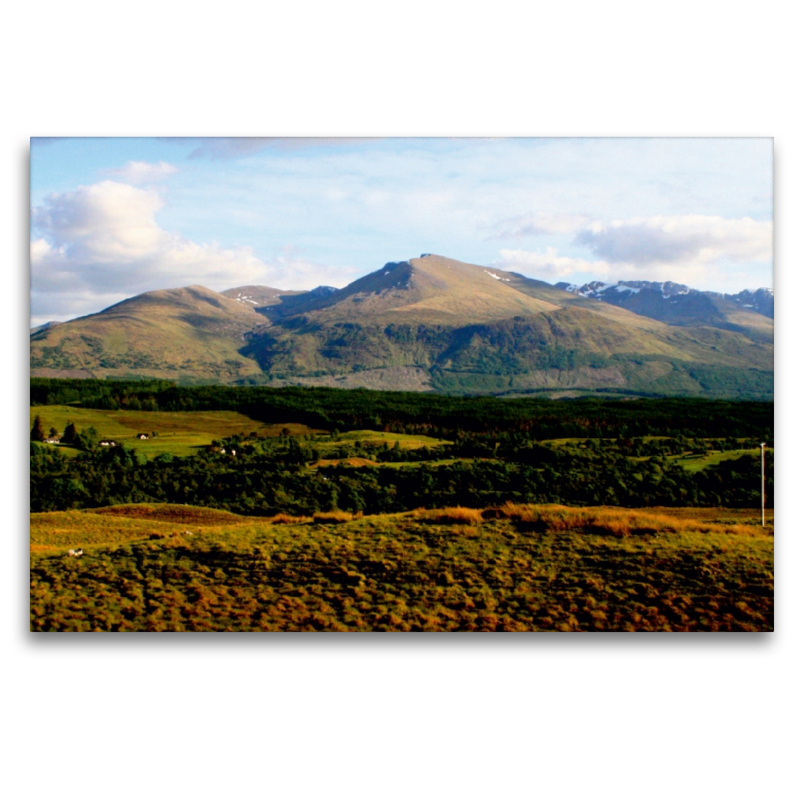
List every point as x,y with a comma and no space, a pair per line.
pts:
114,217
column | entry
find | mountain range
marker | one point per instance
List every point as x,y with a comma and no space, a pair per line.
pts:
677,304
431,324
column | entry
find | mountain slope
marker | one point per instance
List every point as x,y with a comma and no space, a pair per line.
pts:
429,323
461,327
192,332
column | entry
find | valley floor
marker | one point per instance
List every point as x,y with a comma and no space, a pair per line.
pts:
153,567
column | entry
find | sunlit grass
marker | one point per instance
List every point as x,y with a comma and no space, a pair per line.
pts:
335,517
457,515
513,567
407,441
696,463
179,433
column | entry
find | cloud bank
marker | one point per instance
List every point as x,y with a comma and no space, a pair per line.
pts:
661,240
101,243
694,249
550,266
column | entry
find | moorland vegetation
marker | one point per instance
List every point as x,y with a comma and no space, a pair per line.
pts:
505,568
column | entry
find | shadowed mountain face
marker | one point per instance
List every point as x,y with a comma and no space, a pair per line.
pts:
268,301
429,323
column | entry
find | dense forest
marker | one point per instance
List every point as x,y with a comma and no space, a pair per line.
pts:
419,413
498,451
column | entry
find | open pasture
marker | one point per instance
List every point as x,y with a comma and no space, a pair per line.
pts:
406,441
180,433
695,463
509,568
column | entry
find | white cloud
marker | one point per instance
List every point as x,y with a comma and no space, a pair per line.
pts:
102,243
688,238
549,265
704,252
538,223
142,172
296,272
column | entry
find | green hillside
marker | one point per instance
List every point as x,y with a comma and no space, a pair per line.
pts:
190,332
180,433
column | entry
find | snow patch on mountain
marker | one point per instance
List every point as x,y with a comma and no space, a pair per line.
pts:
245,299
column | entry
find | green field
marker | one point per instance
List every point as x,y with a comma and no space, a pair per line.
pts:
690,462
407,441
180,433
696,463
513,568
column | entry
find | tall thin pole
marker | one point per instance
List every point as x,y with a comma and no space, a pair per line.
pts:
762,484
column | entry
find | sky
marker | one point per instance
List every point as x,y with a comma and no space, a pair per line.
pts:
114,217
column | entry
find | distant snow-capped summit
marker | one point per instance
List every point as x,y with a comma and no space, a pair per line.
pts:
675,303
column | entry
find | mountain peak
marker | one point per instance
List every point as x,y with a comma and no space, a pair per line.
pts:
431,288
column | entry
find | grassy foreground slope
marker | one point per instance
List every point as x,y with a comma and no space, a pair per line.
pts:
513,568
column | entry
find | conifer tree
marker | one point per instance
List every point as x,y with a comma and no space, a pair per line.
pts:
70,433
37,431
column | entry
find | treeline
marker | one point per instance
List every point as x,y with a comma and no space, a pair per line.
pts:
267,477
443,416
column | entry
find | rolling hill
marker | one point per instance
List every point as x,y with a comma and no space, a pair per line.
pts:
430,324
191,332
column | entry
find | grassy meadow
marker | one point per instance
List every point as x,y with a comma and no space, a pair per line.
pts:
151,567
695,463
183,433
180,433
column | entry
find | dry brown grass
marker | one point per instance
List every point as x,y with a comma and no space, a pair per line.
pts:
457,515
414,575
617,522
335,517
